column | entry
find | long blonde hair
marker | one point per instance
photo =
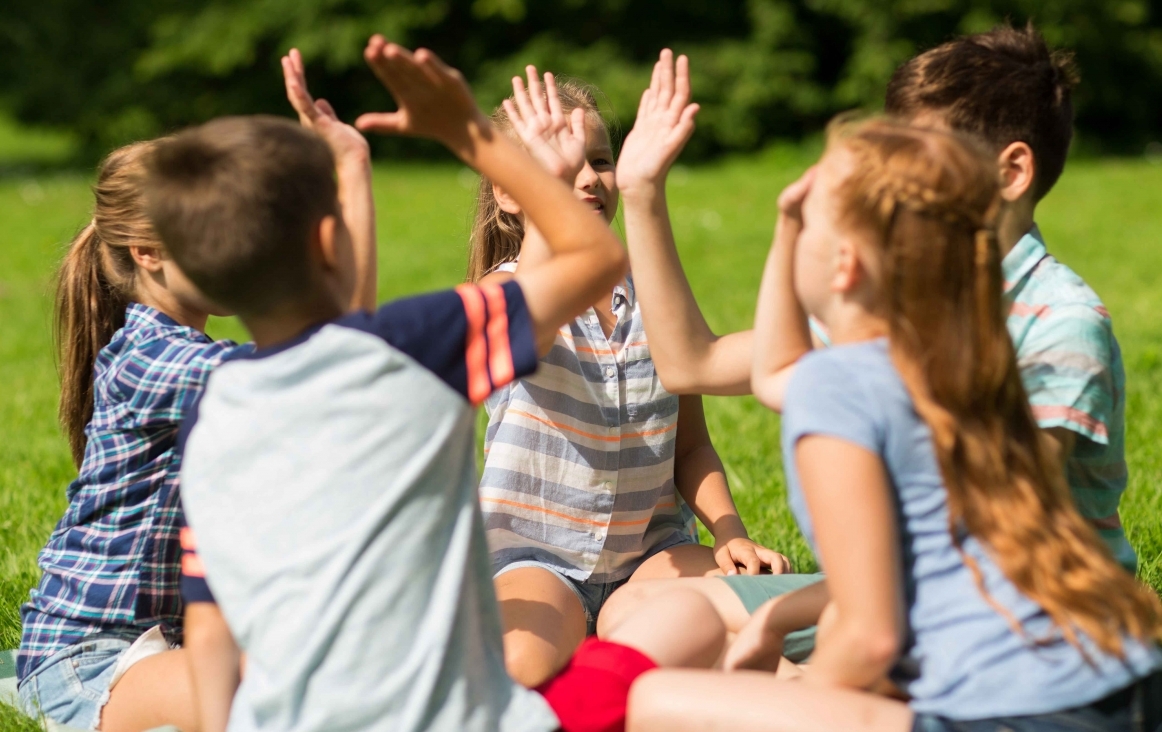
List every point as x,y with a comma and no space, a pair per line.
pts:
96,282
930,200
497,235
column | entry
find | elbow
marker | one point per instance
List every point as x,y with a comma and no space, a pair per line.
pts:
673,380
767,393
877,649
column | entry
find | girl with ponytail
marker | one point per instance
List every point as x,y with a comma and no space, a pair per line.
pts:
960,576
133,355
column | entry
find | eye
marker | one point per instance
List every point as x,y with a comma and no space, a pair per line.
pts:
600,162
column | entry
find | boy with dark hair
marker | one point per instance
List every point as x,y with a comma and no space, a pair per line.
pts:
330,475
1007,88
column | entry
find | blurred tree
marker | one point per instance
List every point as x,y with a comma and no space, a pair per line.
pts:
124,69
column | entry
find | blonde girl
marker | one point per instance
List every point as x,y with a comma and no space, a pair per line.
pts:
592,467
960,575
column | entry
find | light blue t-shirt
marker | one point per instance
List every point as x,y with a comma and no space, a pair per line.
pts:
331,483
962,660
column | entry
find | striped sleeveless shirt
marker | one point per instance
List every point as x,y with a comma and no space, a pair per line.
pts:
579,456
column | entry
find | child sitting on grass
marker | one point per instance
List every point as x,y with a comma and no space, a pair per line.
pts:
99,629
330,474
591,466
1006,88
957,566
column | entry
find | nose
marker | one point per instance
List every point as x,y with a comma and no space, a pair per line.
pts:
587,178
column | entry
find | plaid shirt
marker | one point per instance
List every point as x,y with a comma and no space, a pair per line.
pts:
113,561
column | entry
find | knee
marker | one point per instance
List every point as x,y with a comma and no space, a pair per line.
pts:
620,605
531,660
705,630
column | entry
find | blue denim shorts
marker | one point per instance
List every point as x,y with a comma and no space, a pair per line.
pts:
72,685
1137,708
591,595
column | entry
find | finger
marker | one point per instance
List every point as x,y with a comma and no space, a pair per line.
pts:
666,78
777,562
577,124
521,97
681,84
750,560
297,60
424,63
388,65
536,92
655,82
554,100
513,115
685,124
383,123
325,107
646,103
725,562
296,92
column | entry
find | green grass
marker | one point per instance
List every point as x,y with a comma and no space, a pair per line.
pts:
1103,220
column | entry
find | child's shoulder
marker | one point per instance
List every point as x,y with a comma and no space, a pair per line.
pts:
853,369
151,340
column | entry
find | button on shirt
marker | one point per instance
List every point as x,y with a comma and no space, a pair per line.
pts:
113,559
1072,369
579,457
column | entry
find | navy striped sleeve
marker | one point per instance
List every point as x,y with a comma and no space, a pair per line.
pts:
193,581
476,338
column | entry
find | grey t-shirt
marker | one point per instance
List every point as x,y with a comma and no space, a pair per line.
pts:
963,660
332,485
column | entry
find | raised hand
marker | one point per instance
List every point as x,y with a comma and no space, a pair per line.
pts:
556,141
665,121
345,141
433,98
790,221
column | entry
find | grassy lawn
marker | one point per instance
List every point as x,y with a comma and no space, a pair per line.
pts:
1102,219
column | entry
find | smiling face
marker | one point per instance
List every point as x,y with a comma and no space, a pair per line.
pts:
596,184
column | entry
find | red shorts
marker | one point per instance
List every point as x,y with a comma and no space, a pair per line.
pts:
591,693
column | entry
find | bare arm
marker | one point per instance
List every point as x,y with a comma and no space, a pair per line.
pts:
434,101
783,334
689,357
850,501
353,170
701,481
759,645
215,663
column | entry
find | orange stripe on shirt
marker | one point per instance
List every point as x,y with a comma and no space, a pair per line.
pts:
558,514
565,428
475,349
1024,310
192,566
499,349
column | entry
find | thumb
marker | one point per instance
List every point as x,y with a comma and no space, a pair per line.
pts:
383,123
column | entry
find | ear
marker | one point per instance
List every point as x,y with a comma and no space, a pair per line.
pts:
148,258
1018,170
507,204
325,242
848,272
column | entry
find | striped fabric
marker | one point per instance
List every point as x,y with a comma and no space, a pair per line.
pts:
1071,366
579,457
113,559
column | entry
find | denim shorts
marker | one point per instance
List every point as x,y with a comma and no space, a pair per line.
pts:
591,595
71,686
1137,708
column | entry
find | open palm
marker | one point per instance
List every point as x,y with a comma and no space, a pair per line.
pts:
317,114
665,121
556,141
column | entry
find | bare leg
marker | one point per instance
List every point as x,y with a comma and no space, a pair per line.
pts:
679,628
544,623
684,560
628,598
154,692
674,700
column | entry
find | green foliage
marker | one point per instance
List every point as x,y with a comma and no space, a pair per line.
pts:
125,69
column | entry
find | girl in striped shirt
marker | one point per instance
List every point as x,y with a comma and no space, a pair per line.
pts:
593,471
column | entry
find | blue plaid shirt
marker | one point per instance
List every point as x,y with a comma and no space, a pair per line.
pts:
113,562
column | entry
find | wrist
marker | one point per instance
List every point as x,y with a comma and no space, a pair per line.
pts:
644,191
464,142
353,163
727,528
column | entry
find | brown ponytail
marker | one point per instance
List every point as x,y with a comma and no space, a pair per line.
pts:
95,283
497,235
929,200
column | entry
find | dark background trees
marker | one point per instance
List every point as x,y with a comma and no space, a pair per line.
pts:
116,70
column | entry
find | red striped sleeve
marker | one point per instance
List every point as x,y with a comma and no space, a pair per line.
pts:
475,347
499,349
